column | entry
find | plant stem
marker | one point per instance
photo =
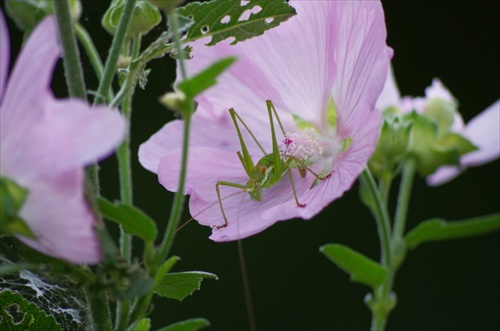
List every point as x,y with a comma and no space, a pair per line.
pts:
90,49
178,202
71,57
404,198
385,301
99,309
114,53
381,216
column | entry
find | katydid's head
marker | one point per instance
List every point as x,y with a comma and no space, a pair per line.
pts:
254,189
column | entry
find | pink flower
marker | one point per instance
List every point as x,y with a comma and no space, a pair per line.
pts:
483,130
322,69
45,143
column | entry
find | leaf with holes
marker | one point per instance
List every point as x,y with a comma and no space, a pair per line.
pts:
181,284
16,313
222,19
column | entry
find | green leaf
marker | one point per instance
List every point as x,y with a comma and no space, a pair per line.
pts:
133,220
165,268
179,285
205,79
438,229
193,324
18,314
361,269
222,19
143,325
6,269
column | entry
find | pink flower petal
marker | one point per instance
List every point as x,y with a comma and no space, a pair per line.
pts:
4,54
390,96
45,143
29,82
57,213
484,132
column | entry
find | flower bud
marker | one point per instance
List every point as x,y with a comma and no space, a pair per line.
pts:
27,14
144,17
174,100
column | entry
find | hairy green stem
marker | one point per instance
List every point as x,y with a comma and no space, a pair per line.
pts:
99,310
114,53
71,57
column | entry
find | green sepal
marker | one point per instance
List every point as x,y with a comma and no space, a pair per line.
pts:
441,112
12,198
179,285
361,268
144,17
193,324
28,13
392,144
17,313
424,147
205,79
133,220
438,229
220,19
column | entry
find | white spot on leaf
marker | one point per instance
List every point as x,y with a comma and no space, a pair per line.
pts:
225,19
247,13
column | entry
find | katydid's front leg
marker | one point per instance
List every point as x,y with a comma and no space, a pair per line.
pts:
220,200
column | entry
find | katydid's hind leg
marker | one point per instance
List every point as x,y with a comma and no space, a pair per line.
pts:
220,200
293,189
303,167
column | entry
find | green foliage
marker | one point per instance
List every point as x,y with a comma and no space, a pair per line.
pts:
133,220
143,325
6,269
28,13
179,285
17,314
438,229
205,79
193,324
222,19
12,198
392,144
361,269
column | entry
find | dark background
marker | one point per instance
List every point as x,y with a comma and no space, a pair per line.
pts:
453,285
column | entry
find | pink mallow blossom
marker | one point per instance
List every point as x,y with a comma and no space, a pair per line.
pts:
46,142
483,130
323,69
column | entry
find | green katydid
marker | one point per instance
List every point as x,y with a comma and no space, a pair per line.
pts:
269,170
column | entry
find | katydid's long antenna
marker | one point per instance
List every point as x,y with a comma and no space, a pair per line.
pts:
204,209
